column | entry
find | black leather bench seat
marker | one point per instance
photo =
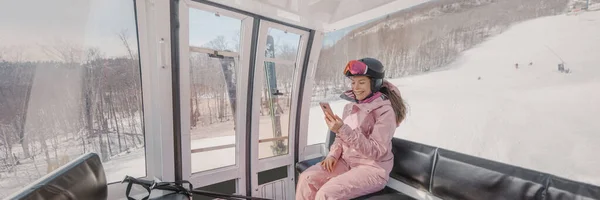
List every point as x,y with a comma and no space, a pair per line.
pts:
451,175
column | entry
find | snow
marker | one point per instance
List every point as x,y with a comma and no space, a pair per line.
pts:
226,157
130,164
317,128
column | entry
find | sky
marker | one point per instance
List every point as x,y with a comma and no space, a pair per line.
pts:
229,28
225,26
29,24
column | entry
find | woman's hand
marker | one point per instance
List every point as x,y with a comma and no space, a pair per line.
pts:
329,163
333,122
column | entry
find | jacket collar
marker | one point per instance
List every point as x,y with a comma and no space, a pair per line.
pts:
367,107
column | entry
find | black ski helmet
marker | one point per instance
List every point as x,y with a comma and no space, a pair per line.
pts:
375,72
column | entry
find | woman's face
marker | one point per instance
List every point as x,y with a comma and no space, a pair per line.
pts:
361,86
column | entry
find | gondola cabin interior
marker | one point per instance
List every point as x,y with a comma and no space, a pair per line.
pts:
502,96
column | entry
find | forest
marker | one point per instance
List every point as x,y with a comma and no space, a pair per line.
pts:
424,38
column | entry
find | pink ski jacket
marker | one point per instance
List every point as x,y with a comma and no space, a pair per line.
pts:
370,143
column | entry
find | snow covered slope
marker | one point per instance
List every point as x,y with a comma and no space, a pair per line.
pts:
534,116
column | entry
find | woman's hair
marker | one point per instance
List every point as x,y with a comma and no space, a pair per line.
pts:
397,104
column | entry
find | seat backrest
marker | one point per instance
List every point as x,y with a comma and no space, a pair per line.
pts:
460,176
452,175
82,178
330,139
560,188
413,163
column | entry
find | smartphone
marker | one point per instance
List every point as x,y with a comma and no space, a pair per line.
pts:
326,108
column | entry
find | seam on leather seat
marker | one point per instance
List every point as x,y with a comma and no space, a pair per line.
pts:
547,183
435,156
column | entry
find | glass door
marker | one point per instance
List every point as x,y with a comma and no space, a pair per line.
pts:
278,67
214,56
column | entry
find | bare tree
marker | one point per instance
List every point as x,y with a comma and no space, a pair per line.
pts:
6,146
218,43
63,50
124,37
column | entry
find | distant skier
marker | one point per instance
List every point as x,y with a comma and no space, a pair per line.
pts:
516,65
530,63
561,67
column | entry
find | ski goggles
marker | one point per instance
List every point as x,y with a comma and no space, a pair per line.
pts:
355,67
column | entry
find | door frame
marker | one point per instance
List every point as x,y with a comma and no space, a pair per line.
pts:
259,165
308,151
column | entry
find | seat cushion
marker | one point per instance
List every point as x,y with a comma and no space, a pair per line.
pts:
303,165
386,194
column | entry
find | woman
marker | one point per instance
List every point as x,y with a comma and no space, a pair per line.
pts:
360,159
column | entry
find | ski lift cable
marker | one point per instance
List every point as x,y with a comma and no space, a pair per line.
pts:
554,53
